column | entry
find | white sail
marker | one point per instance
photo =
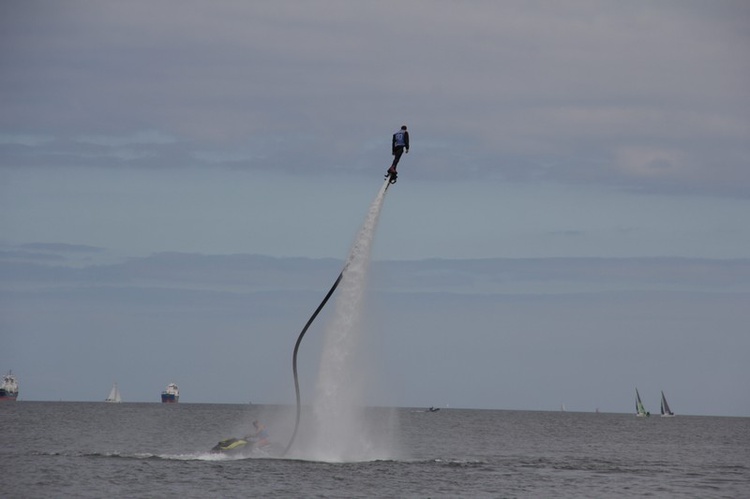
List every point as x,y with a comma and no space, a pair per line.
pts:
114,395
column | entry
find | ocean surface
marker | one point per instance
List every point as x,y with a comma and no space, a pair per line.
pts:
72,449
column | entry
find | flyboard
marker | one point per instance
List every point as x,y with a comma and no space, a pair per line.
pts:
390,178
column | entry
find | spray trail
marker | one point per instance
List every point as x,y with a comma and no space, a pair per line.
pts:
339,431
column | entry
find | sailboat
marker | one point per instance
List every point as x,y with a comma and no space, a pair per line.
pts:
640,411
666,412
114,395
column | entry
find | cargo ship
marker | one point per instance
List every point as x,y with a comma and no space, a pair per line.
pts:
171,395
9,388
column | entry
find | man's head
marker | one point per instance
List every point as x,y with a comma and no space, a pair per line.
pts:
403,127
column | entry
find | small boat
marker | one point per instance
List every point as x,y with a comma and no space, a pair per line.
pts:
171,395
666,412
114,395
640,411
9,388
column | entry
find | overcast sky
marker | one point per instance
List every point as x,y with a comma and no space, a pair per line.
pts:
578,182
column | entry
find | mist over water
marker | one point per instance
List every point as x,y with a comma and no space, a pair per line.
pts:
340,432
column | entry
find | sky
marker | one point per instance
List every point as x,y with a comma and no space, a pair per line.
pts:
181,181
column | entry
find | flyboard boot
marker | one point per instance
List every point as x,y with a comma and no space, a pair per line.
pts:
392,174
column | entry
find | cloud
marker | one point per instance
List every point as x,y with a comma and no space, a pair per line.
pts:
144,137
62,248
503,89
648,162
26,140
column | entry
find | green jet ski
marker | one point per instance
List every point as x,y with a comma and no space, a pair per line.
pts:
247,446
233,446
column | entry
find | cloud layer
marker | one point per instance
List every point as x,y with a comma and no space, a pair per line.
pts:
645,96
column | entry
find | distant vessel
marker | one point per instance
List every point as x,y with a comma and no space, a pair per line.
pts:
666,412
114,395
640,411
171,395
9,388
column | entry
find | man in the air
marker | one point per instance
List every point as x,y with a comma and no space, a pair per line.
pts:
399,145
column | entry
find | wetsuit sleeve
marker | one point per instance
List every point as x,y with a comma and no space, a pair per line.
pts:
406,140
393,143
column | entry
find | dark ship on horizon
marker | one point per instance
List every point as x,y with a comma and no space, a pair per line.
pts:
9,388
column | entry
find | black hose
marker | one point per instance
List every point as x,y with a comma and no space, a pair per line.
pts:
390,179
296,349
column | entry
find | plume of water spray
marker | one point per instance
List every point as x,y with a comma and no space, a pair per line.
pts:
340,429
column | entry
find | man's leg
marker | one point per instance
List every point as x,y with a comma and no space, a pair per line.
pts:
396,158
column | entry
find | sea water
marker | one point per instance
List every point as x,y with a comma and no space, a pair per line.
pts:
89,449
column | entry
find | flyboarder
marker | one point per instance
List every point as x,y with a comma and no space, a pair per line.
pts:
399,145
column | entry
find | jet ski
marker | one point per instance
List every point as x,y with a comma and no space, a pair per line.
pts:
233,446
246,446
